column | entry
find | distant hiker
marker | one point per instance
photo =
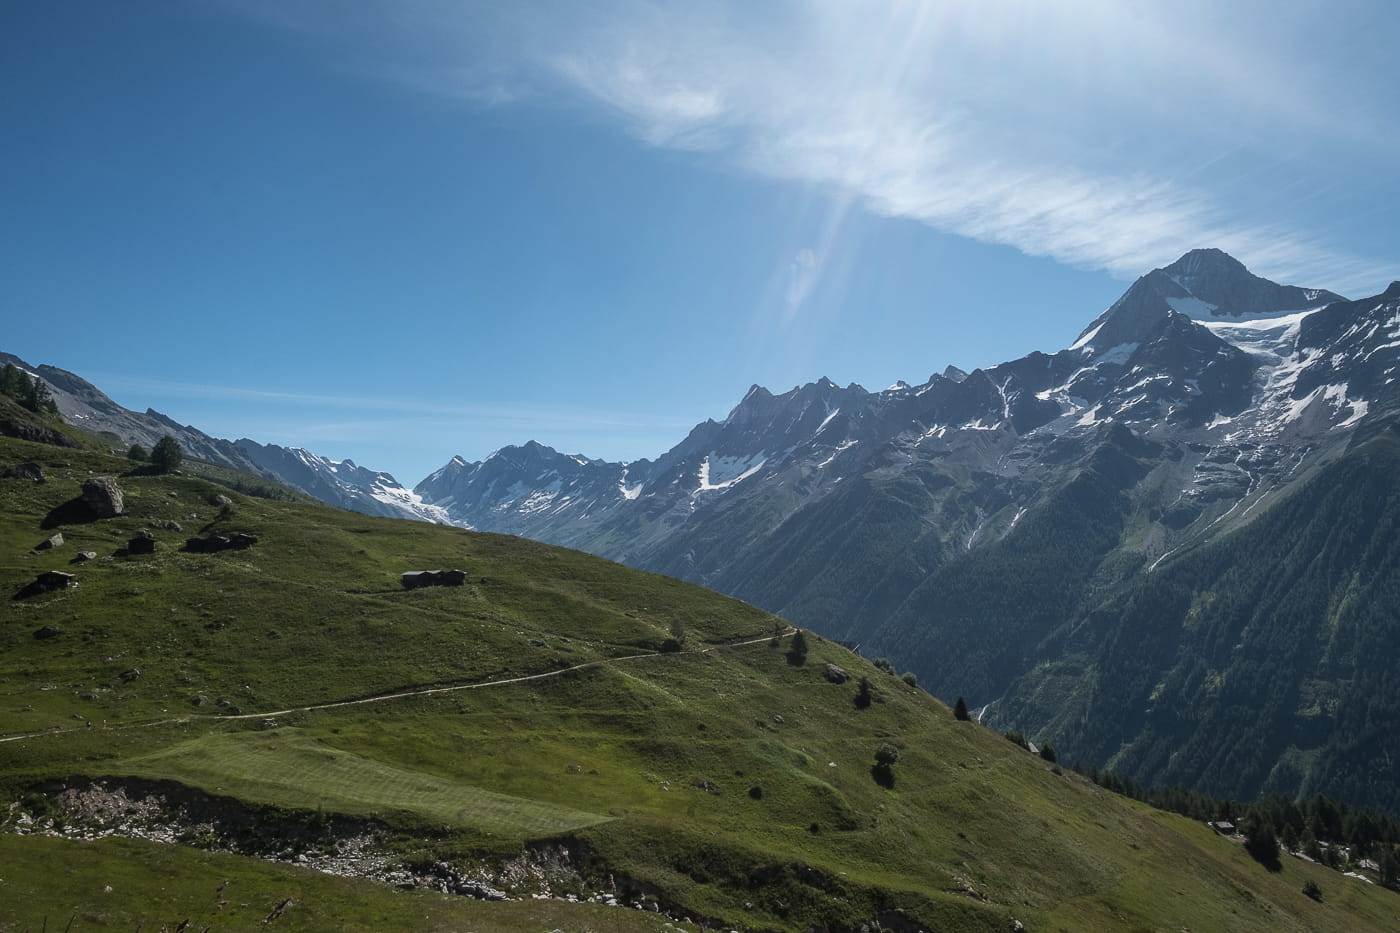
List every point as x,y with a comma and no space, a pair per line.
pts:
89,723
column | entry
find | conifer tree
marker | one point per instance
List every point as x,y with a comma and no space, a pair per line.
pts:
167,456
11,381
797,651
960,710
37,398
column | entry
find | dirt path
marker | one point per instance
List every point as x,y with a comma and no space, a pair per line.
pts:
403,694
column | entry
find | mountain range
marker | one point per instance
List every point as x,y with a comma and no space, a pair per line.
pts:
1163,548
338,482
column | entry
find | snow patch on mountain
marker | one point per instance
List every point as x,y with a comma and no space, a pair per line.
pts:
840,448
628,492
1116,355
1192,307
718,473
1273,342
409,502
1083,343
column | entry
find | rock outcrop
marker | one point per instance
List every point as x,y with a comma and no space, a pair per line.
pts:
103,496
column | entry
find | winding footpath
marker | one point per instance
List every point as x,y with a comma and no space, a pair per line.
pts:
400,695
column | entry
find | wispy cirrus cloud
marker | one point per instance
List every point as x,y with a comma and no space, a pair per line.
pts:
524,416
1088,132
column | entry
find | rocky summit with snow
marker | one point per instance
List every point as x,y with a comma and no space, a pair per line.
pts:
1244,383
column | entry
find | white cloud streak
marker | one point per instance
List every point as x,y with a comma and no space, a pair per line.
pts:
1057,128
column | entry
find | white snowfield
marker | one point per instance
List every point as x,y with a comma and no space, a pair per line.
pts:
718,473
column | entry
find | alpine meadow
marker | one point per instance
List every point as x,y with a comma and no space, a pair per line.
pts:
921,466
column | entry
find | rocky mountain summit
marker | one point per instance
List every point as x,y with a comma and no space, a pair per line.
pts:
1240,378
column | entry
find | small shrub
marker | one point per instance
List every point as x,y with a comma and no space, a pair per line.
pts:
138,453
1311,889
863,694
756,792
910,678
883,769
884,665
1047,751
1017,738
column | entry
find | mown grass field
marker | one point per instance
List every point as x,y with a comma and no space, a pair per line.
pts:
287,768
722,777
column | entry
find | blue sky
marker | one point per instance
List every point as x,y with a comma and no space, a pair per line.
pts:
397,231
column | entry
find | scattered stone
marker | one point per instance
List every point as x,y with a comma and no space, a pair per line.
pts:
103,496
778,719
480,890
30,471
199,700
141,544
48,631
836,675
221,500
224,702
416,578
130,675
83,557
171,525
55,541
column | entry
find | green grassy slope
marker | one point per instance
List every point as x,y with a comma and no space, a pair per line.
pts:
536,704
47,428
